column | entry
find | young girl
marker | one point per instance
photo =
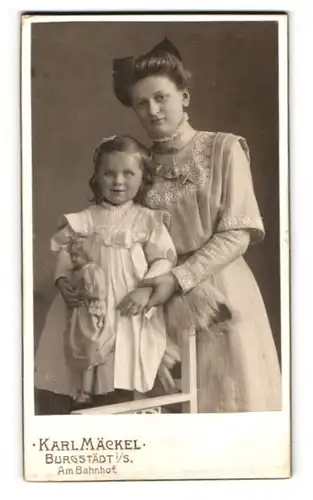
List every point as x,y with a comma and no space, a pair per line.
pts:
99,334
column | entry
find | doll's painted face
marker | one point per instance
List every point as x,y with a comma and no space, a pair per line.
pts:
119,177
79,256
159,105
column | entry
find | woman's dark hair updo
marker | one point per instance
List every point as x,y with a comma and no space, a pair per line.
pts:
123,144
163,60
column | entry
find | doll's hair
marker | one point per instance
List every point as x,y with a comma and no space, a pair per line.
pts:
123,144
163,60
77,247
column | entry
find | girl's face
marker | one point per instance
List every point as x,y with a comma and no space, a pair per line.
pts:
159,105
119,177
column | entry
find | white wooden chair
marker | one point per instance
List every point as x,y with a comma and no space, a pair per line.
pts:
187,397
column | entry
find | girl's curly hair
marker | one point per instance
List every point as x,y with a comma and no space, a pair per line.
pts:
125,144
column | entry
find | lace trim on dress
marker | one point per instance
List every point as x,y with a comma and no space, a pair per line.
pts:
190,175
254,225
240,222
111,229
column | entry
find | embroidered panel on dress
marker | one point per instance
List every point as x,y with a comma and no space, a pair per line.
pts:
175,179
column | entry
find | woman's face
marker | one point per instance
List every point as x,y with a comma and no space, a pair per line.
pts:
119,177
159,105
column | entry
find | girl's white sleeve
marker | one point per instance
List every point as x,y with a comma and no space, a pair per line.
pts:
63,265
70,226
160,250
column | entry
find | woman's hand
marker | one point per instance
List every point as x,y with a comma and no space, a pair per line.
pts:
164,286
135,302
71,295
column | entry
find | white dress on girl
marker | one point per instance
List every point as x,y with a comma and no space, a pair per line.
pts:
128,243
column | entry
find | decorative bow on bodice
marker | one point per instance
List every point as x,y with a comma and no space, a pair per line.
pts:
169,171
188,171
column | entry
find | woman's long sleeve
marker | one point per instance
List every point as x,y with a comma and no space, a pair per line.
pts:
221,250
238,221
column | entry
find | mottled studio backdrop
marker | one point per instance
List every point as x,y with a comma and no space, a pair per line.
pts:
235,89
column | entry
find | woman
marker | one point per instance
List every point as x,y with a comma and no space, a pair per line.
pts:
203,180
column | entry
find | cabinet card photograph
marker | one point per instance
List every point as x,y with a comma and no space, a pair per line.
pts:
155,229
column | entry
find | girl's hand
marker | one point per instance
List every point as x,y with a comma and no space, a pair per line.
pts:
164,287
135,302
71,295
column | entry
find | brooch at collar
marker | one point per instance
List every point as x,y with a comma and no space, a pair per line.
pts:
188,172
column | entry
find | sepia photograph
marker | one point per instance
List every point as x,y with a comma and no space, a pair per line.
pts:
155,246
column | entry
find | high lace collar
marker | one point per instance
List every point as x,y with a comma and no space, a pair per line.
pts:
184,135
118,209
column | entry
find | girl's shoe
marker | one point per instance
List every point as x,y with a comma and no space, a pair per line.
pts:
81,401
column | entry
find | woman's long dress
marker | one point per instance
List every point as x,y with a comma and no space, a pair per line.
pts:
208,190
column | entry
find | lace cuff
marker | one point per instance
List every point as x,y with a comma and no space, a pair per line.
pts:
185,277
